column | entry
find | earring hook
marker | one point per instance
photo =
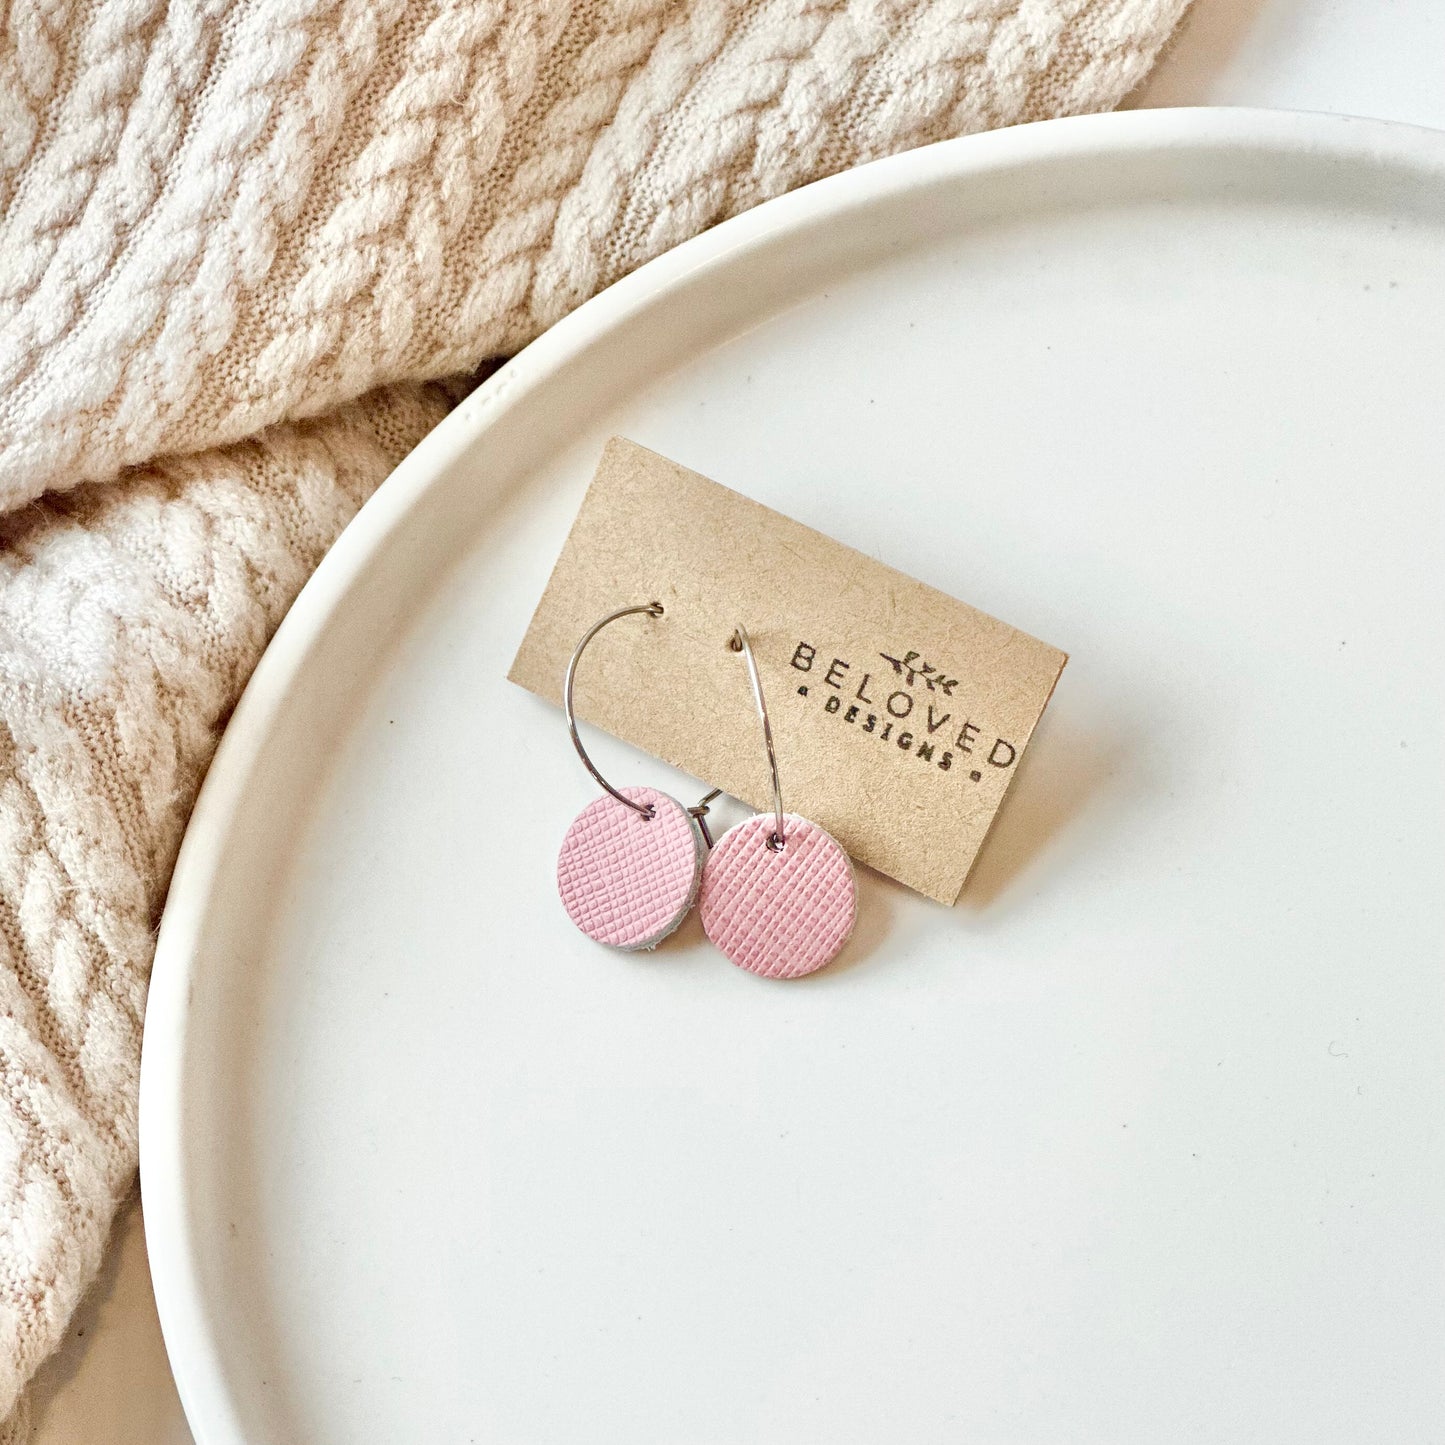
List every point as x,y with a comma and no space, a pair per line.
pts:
699,810
653,609
740,643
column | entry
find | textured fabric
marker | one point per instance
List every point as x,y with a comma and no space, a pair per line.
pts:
779,912
15,1430
626,880
130,616
221,213
216,215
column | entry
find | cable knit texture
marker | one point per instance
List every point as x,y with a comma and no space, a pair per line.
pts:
245,237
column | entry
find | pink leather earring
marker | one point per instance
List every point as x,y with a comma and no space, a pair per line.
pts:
778,893
629,866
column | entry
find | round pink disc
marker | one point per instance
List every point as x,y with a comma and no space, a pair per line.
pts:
626,880
780,914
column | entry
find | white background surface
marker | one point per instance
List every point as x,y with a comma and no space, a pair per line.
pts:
110,1384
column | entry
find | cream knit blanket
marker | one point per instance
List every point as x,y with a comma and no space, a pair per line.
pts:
240,241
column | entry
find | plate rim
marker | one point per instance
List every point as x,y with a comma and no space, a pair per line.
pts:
195,1357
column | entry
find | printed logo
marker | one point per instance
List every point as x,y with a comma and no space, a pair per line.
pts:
911,666
911,705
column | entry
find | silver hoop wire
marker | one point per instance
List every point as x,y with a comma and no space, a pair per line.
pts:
699,810
653,609
741,644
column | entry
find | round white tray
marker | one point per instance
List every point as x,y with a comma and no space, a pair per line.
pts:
1140,1142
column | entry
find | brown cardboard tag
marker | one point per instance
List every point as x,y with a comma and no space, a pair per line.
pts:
899,715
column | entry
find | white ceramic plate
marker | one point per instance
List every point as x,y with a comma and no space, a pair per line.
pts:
1141,1141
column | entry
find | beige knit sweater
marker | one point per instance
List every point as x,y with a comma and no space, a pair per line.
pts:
239,242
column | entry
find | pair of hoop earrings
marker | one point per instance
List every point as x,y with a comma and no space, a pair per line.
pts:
776,892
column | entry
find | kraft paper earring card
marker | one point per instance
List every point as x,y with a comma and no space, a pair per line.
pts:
899,713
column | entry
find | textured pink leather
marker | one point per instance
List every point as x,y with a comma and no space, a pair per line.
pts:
778,914
626,880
